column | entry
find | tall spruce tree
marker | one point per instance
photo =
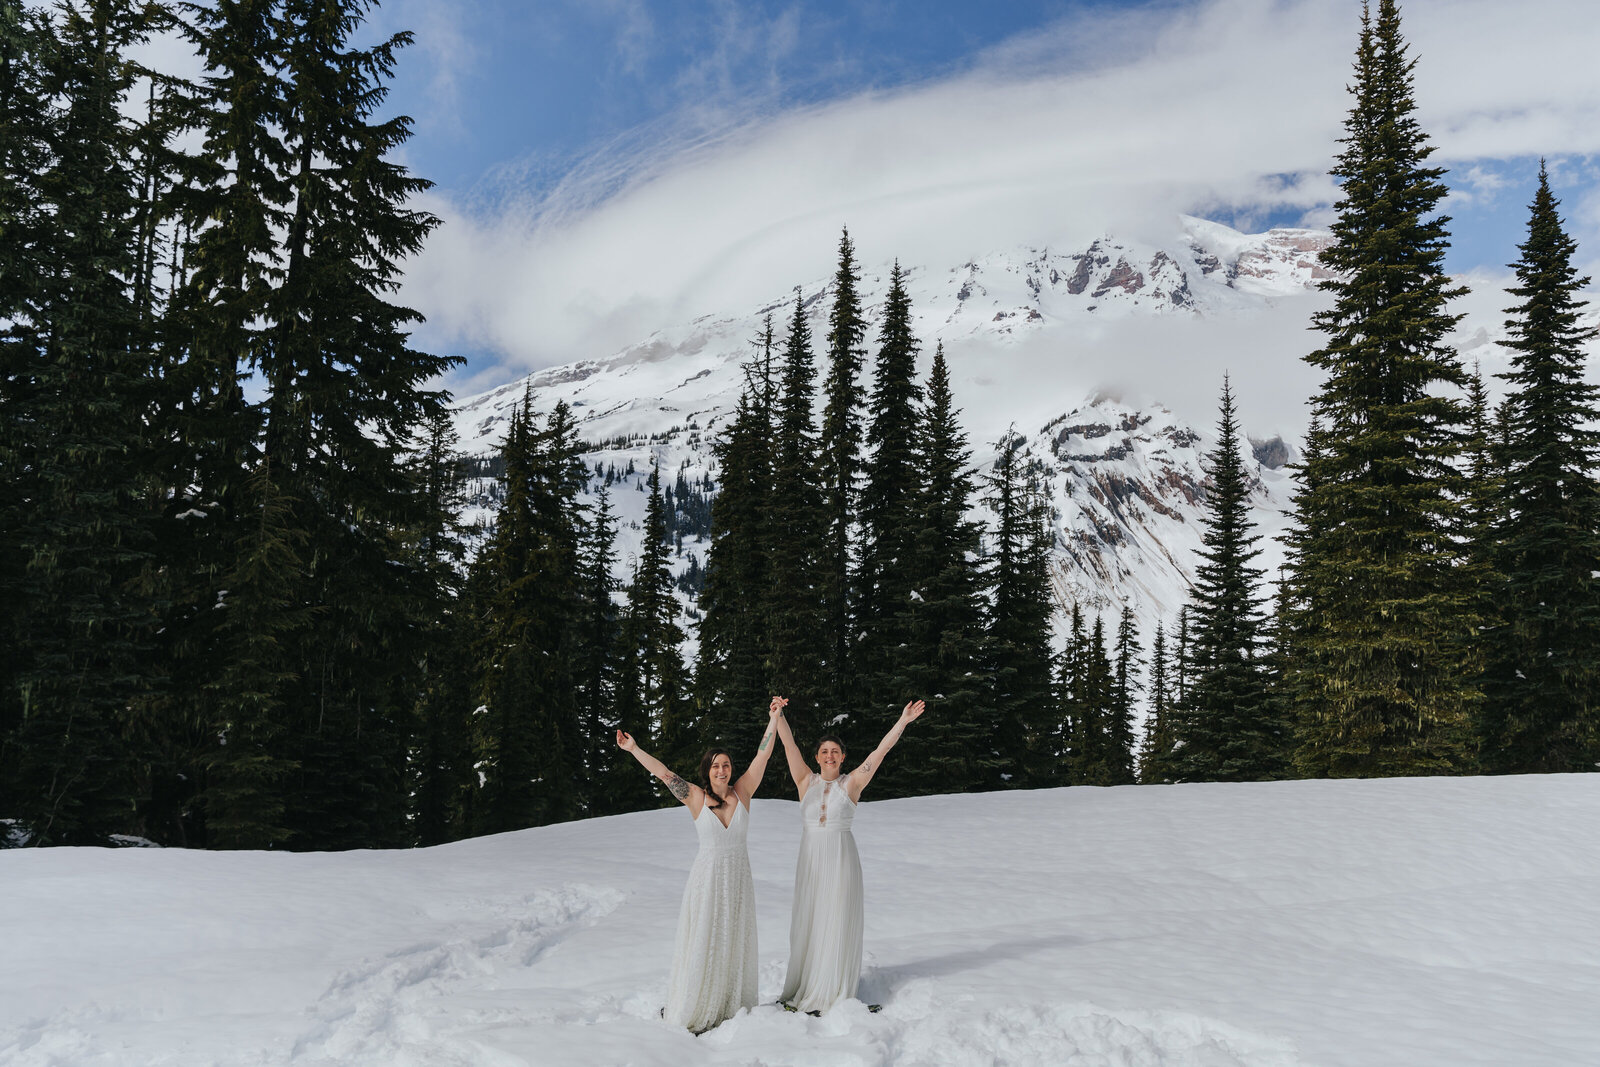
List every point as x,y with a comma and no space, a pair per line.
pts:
80,393
1229,725
1097,753
889,506
1542,684
1017,650
655,692
839,451
732,671
953,749
1385,684
1124,688
796,636
1156,753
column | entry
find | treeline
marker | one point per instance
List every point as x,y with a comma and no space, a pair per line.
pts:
1440,609
226,541
242,611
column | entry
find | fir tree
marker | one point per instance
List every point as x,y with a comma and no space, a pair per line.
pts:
889,508
1097,757
1228,725
1542,684
656,690
1125,686
732,671
954,749
84,430
839,451
1155,755
792,604
1018,655
1385,685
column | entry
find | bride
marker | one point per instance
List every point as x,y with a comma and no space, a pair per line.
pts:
825,928
714,957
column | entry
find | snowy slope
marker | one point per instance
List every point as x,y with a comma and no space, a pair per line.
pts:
1421,922
1025,335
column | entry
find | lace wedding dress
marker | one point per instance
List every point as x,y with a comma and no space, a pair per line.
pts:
825,929
714,957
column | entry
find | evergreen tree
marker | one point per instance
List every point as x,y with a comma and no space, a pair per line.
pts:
1228,726
442,777
954,748
732,671
1018,646
598,671
1155,755
839,451
1386,687
889,507
1125,687
1097,757
1542,684
530,752
797,645
80,357
656,690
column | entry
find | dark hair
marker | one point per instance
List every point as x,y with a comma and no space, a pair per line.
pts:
824,739
705,776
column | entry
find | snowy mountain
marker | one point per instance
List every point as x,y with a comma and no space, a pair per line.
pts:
1430,922
1032,336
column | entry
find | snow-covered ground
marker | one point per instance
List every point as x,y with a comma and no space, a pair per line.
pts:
1412,922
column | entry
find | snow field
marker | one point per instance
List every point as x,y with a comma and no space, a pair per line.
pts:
1409,921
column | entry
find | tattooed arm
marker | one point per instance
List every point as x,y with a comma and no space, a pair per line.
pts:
687,792
863,774
747,783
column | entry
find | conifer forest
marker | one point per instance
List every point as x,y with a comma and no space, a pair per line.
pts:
243,609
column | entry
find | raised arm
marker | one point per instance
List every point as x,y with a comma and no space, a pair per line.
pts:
869,766
746,785
687,792
799,770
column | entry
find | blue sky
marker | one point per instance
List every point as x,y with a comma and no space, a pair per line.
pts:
609,167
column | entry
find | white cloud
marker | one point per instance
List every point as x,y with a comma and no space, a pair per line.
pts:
1111,122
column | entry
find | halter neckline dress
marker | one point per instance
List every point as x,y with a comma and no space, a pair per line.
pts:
826,925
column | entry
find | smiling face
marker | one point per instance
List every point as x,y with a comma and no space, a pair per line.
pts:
830,757
721,772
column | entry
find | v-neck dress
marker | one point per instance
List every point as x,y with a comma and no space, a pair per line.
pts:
825,927
714,957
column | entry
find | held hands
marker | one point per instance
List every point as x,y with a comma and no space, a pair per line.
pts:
912,710
626,742
777,706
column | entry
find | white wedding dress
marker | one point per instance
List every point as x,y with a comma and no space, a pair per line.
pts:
714,957
825,929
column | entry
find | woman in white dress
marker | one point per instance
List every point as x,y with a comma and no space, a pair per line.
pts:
825,928
714,956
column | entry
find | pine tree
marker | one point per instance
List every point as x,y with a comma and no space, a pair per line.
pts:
442,777
1018,647
792,604
732,671
84,430
953,750
884,581
1097,758
1228,726
530,752
1542,685
839,450
598,671
1386,687
1155,755
1125,686
657,685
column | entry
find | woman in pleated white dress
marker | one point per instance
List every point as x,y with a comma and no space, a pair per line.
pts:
714,958
826,925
